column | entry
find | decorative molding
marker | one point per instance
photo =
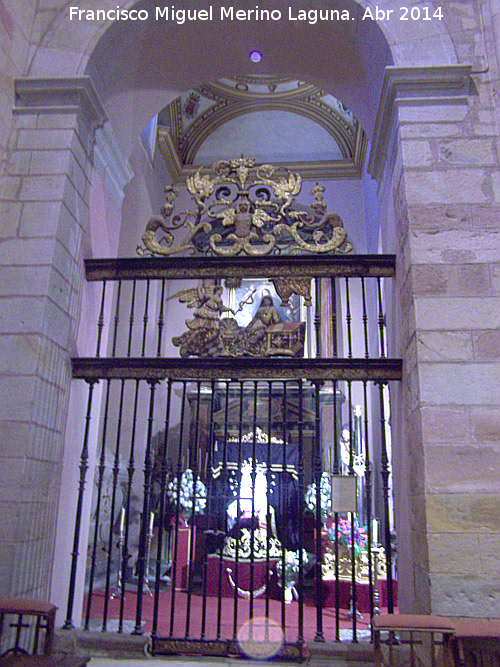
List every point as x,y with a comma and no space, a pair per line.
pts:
413,86
59,95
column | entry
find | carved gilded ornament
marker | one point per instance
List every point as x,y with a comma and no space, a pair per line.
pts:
243,208
361,564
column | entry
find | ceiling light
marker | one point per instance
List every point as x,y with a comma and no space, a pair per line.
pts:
255,56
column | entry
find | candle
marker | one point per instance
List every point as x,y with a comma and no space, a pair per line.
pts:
122,520
151,521
375,531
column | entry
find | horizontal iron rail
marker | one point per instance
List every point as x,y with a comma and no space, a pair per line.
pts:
246,368
324,266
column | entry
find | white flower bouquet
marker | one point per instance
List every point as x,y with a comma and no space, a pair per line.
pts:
325,492
291,566
186,495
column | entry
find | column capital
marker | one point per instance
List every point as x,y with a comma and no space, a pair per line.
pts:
417,86
59,95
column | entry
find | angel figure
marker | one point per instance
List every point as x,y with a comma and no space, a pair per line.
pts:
204,326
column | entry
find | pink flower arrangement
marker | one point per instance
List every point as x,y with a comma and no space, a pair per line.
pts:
344,535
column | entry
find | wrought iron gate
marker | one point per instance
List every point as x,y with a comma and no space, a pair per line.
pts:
257,458
242,490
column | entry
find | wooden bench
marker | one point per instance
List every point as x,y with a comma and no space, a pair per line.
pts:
44,615
477,642
54,660
429,638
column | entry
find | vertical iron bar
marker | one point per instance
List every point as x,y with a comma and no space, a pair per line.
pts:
354,599
348,319
100,320
141,560
115,471
238,516
384,465
175,544
223,477
365,317
193,459
269,522
336,471
283,504
209,510
319,637
117,319
381,319
300,514
68,625
161,517
161,322
317,315
252,530
334,317
145,319
100,478
131,318
368,491
128,498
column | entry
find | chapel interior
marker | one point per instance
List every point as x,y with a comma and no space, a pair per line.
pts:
249,323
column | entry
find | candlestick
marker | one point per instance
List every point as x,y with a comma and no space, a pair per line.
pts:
122,520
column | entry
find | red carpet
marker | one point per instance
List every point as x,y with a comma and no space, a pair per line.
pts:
192,627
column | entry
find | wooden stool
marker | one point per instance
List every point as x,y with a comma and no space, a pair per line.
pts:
477,643
44,613
425,627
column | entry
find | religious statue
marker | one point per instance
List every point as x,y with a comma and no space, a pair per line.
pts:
204,327
266,314
211,335
251,520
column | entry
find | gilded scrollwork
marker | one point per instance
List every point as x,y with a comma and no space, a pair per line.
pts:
361,564
244,208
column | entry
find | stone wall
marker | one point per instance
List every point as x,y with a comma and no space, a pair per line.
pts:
48,183
446,206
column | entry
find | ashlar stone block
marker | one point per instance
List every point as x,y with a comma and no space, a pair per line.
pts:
468,152
463,512
461,383
444,346
467,594
485,423
10,213
447,187
453,554
486,344
489,553
465,468
417,154
443,423
42,188
450,112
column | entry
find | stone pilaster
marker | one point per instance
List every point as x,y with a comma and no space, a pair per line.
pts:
436,132
45,191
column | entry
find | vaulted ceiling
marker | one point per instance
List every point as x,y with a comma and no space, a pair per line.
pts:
273,119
